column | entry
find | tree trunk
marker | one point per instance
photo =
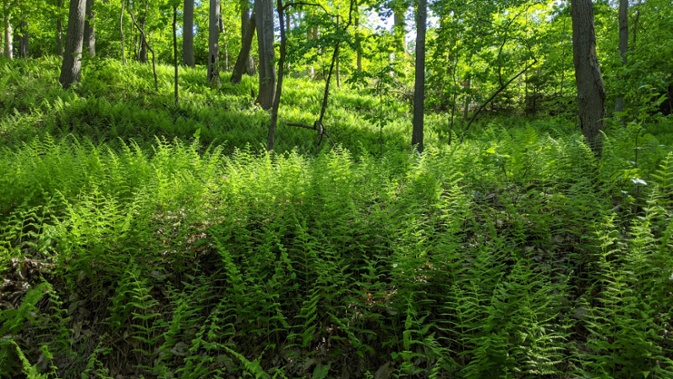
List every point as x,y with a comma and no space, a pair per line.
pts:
267,71
623,44
242,60
271,138
213,48
143,38
142,52
358,40
590,90
188,34
246,18
59,29
8,37
121,31
338,67
468,99
24,50
89,31
312,34
72,63
419,85
175,54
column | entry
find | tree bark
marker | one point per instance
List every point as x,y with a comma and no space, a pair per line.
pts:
246,18
175,54
72,63
623,44
146,45
142,51
213,47
271,138
188,34
89,31
121,31
358,41
24,50
8,36
267,71
242,60
590,90
419,85
312,34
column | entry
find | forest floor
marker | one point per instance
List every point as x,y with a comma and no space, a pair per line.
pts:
139,238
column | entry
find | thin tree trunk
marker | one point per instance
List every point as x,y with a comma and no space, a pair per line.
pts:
24,50
188,34
121,31
635,28
72,63
468,100
338,68
623,46
89,31
175,53
8,36
267,71
147,46
243,55
213,48
358,41
226,41
419,85
271,139
59,29
142,51
311,34
590,90
563,62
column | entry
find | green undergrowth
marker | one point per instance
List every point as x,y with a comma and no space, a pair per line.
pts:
115,101
519,256
197,254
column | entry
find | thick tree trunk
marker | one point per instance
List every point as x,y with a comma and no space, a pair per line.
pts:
623,44
188,34
419,85
246,19
244,54
213,47
59,29
72,63
89,31
267,71
590,90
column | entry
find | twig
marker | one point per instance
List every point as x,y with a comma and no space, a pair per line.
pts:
490,99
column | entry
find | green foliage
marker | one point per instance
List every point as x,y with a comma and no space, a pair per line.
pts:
144,239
